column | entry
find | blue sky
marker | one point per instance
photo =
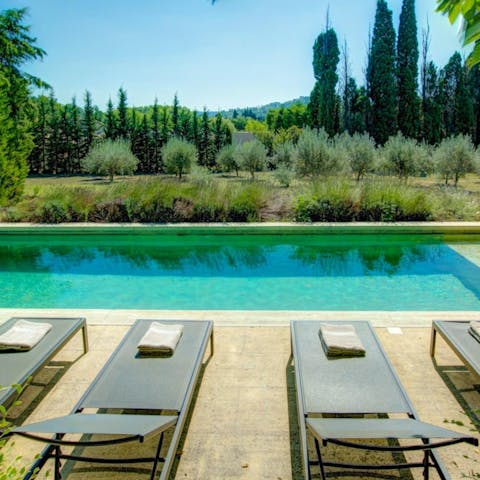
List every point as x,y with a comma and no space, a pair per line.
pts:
236,53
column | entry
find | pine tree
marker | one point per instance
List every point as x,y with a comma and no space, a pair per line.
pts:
184,123
64,146
37,160
324,108
381,76
194,135
110,123
88,123
407,71
474,84
122,126
133,132
175,129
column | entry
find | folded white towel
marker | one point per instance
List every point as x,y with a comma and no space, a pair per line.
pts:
160,338
474,330
341,341
23,335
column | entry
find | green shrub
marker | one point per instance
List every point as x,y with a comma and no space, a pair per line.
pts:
251,156
111,157
361,154
455,157
284,175
245,204
314,155
284,155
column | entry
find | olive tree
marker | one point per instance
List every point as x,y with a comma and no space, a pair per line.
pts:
455,157
361,154
111,157
314,154
251,156
401,156
179,156
226,159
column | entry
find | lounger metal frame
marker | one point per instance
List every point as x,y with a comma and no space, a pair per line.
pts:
430,458
53,450
463,347
30,369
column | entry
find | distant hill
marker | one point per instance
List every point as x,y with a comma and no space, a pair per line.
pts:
259,112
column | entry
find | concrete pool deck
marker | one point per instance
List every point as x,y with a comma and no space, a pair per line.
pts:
243,424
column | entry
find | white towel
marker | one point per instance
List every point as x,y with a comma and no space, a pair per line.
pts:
474,330
23,335
160,338
341,341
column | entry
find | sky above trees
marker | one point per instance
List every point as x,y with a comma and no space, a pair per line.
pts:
236,53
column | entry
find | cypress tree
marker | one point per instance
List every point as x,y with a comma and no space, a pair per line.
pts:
175,130
110,123
53,135
65,146
204,141
407,71
38,158
474,84
156,138
324,108
381,76
218,133
122,127
458,105
194,135
88,123
431,106
75,136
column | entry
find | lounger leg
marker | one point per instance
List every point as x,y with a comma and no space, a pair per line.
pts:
85,338
320,461
58,475
211,344
157,457
433,340
426,461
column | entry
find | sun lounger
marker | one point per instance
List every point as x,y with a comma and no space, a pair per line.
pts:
458,338
349,388
18,366
163,386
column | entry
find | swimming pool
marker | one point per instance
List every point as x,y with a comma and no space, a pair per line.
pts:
238,272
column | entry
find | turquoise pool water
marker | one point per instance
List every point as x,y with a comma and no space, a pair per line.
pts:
248,272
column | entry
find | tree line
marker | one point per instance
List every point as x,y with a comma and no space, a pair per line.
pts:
64,134
441,103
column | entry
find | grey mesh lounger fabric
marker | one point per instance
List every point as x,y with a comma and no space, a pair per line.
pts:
131,382
350,387
18,367
459,340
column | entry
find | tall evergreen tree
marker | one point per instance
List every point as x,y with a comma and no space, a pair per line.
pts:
431,106
53,136
407,71
381,76
324,101
218,133
175,108
122,126
458,105
75,136
17,47
88,123
156,138
204,152
38,157
474,83
110,123
194,134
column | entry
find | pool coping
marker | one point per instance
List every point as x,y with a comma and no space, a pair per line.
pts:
267,228
248,318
